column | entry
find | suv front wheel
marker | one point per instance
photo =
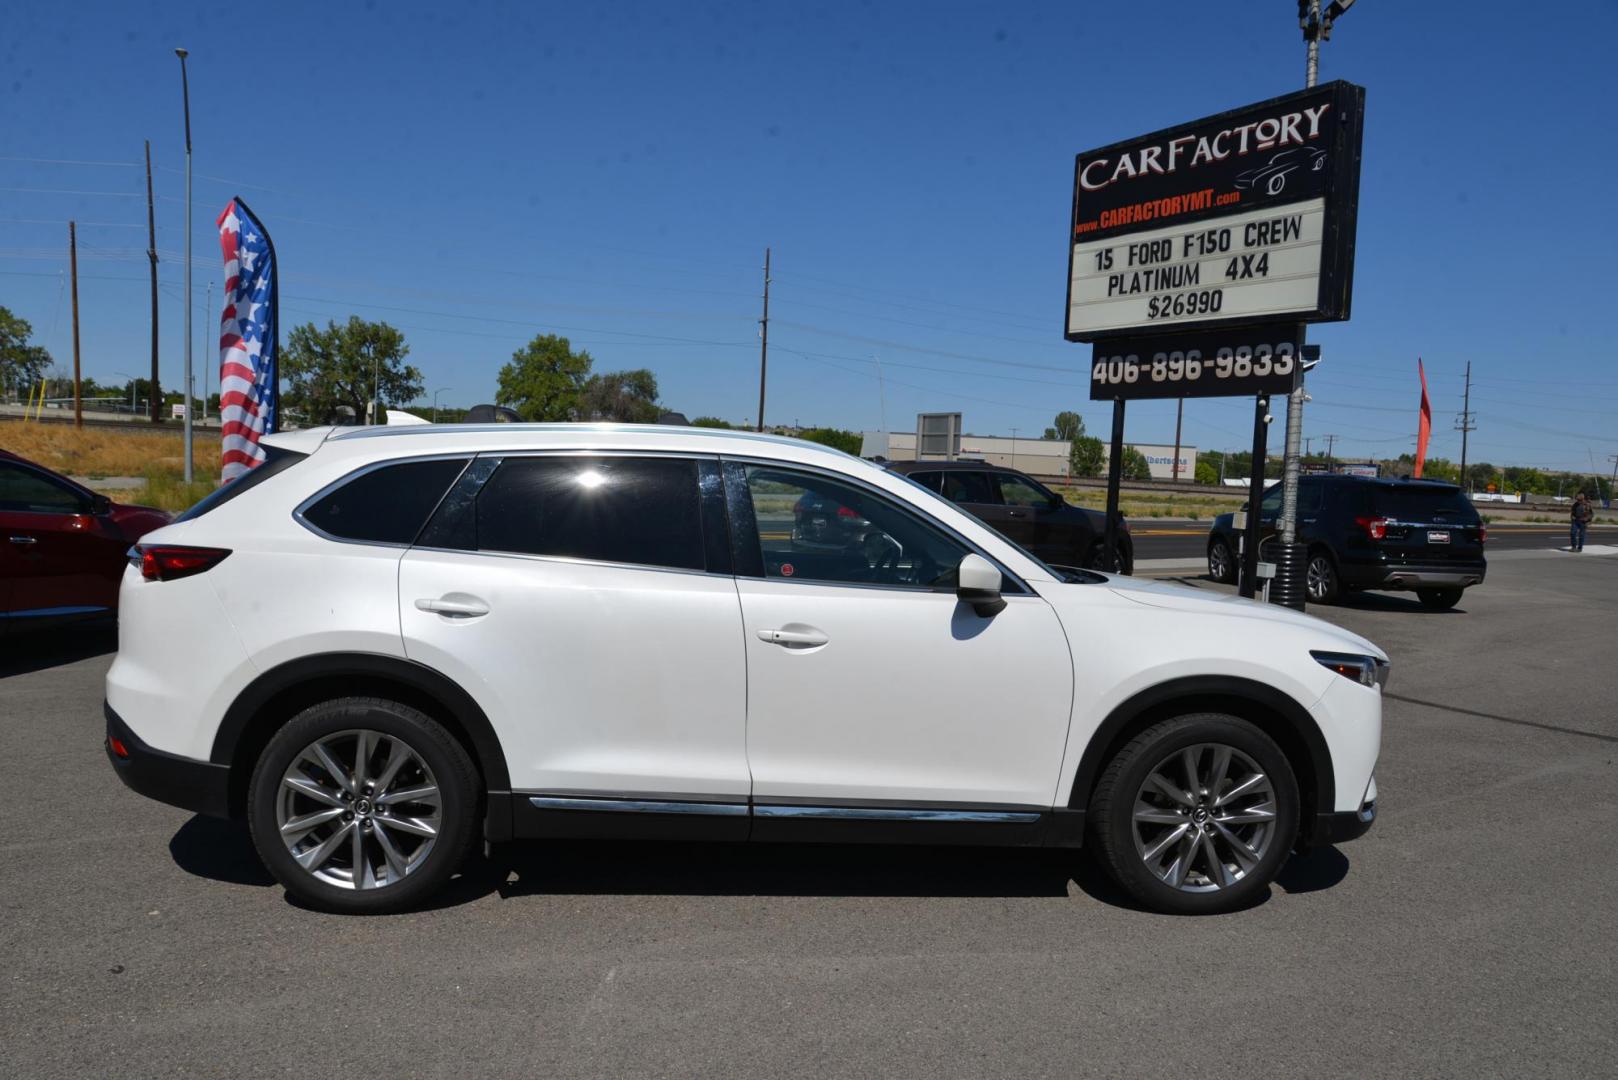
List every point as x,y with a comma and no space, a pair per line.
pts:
362,805
1197,814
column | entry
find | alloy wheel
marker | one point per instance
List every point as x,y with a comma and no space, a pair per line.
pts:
1319,578
359,809
1204,818
1219,562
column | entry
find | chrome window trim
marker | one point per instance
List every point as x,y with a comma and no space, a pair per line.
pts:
302,508
908,507
572,560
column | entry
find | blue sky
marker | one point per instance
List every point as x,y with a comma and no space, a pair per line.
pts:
477,173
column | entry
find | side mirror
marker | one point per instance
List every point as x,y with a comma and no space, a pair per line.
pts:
100,504
978,584
1057,502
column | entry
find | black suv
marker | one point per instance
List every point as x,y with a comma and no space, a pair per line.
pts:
1371,534
1024,510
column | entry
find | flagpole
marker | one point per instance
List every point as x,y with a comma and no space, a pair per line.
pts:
185,93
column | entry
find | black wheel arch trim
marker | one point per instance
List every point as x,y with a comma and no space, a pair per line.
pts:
420,678
1208,692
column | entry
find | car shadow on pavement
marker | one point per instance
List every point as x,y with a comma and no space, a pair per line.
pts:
24,651
691,869
218,850
223,851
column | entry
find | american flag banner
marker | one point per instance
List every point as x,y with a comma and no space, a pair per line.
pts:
249,385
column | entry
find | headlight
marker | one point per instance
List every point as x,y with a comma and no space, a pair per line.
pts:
1365,670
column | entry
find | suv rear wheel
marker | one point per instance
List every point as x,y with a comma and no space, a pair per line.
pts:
1197,814
362,805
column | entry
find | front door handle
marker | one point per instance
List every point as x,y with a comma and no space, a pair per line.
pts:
793,637
24,540
468,608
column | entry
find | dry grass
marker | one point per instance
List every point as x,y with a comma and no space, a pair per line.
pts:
101,451
158,456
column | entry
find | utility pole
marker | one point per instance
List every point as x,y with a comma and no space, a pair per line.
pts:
1464,423
151,255
1612,485
1013,448
1331,441
1315,26
1179,415
73,269
190,383
206,308
881,393
764,340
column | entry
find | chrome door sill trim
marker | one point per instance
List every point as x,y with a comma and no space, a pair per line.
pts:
638,806
868,813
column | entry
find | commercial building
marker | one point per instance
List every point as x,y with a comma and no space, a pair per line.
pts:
1038,457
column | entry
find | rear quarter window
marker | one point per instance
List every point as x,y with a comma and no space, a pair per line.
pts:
384,505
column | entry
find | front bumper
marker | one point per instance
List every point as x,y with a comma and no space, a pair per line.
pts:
201,786
1414,576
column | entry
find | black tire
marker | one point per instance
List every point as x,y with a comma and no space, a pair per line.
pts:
1438,599
1321,582
1221,561
446,765
1112,808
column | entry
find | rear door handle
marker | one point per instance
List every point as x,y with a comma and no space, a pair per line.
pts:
24,540
793,637
469,608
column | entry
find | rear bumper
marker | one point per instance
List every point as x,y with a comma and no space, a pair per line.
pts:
201,786
1417,576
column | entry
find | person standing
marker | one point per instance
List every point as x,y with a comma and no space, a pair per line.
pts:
1582,513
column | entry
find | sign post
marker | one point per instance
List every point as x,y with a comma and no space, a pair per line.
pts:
1199,253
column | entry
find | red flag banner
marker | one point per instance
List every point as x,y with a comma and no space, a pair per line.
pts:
1425,430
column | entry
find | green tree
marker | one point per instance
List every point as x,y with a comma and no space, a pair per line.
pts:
629,397
343,365
1068,427
544,379
713,422
1087,456
21,364
1207,472
1135,465
836,438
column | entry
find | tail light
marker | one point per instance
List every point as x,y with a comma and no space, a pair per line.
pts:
1375,528
1483,534
167,562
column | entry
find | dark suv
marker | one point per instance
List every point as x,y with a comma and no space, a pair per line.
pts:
1372,534
1024,510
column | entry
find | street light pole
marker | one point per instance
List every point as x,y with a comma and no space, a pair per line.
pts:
185,93
440,390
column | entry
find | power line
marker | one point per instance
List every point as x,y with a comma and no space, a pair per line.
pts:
69,161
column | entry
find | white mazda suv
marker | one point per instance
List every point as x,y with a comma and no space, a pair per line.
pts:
386,644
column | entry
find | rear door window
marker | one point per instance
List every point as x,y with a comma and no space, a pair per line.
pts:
386,505
928,480
642,511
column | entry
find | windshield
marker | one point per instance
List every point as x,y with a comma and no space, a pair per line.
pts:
1060,574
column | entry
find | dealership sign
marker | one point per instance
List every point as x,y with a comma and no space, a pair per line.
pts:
1242,218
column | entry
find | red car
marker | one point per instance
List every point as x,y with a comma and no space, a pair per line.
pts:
63,548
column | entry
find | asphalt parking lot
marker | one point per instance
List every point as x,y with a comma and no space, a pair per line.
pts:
1471,933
